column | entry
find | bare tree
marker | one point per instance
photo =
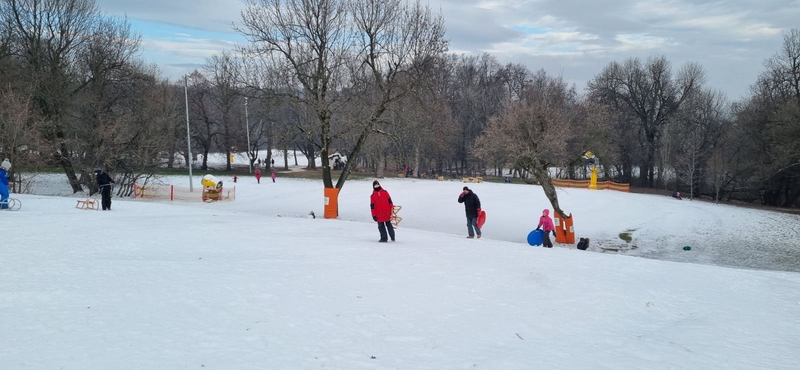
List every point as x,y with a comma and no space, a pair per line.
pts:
651,94
223,71
50,38
324,47
532,132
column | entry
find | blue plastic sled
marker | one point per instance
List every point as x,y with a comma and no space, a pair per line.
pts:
535,237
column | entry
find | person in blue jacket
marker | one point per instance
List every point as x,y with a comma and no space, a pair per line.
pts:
4,183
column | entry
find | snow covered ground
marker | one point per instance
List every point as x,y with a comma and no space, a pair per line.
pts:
659,226
232,286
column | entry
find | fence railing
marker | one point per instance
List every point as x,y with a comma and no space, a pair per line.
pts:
172,193
584,184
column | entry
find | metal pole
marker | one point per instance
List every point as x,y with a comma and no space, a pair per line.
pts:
188,132
247,124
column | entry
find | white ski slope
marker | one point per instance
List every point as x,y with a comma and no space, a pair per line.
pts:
660,226
230,286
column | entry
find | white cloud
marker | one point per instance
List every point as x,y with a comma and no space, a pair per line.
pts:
566,42
641,42
188,47
740,23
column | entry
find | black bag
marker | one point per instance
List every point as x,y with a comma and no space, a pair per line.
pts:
583,244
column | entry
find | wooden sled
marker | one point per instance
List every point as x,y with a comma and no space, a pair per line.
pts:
88,204
395,219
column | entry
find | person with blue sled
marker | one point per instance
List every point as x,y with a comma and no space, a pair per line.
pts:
4,167
546,225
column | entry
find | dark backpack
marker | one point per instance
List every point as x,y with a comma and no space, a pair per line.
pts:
583,244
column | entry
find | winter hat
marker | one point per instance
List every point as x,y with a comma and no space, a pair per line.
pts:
375,183
6,164
466,188
97,169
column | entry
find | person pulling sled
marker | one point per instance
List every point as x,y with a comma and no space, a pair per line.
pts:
104,182
381,206
472,207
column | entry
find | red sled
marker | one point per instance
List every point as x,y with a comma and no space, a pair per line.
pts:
481,219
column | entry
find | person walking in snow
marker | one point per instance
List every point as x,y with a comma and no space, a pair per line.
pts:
546,225
472,206
258,175
273,176
381,205
4,167
104,182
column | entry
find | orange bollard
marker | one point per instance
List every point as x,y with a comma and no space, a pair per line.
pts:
561,234
570,230
331,203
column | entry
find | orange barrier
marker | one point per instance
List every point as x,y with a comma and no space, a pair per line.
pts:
172,193
584,184
561,231
570,230
331,202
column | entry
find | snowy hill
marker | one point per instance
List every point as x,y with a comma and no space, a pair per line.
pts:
231,286
659,226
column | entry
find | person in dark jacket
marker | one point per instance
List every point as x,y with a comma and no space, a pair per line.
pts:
472,206
381,206
104,182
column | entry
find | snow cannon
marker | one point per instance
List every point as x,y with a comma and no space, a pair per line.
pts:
212,188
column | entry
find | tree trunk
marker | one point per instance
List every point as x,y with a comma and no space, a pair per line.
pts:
66,164
417,156
205,159
351,160
286,157
312,160
381,165
540,174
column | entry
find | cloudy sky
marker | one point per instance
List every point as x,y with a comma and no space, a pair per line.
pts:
575,38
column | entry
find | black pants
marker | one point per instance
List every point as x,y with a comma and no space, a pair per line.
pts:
546,240
383,226
106,191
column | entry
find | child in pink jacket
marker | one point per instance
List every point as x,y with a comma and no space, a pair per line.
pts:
546,224
273,176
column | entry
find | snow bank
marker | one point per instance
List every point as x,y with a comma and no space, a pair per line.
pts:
231,286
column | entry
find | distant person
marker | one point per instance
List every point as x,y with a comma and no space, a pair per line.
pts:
546,225
104,182
273,176
272,161
235,178
258,175
4,167
380,203
472,207
677,195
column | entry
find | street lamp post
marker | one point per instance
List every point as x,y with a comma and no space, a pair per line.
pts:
247,124
188,134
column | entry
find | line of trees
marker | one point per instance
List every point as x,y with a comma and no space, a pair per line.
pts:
373,81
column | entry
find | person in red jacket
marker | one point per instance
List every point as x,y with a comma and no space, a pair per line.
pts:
258,175
546,224
381,205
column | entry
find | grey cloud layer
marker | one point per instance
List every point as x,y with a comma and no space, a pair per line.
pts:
576,37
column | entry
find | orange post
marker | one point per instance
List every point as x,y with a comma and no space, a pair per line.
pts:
561,233
331,202
570,230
